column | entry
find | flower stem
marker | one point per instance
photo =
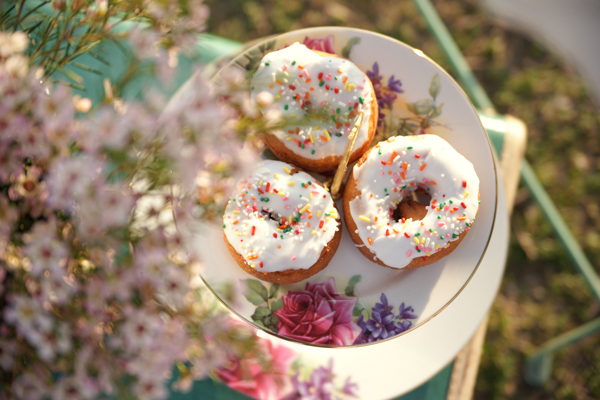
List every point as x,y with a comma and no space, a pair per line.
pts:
17,20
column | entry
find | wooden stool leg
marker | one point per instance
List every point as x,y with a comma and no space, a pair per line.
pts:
466,365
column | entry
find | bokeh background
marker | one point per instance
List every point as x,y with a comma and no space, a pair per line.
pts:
541,295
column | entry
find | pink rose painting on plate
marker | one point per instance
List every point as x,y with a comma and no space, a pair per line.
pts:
320,44
274,372
318,315
264,376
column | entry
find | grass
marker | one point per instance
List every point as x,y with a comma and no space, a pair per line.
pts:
541,295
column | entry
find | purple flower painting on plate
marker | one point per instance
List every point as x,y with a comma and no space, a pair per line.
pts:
384,323
385,94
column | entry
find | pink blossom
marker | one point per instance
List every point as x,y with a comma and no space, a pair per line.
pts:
251,376
144,43
30,386
200,110
111,128
7,354
172,288
165,67
69,179
11,160
151,261
97,292
117,202
321,44
60,133
27,315
73,388
16,65
264,99
150,389
28,185
87,359
31,142
144,119
8,216
56,105
49,344
44,251
199,13
57,288
141,329
12,42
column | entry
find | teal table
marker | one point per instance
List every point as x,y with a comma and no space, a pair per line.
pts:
435,389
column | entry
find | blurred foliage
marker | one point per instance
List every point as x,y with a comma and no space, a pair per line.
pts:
541,295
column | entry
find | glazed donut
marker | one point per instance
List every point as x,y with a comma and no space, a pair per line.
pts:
319,96
281,226
379,189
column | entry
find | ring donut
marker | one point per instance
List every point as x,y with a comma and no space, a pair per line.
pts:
380,186
319,96
281,226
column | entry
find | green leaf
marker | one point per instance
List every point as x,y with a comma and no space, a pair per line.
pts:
426,123
410,107
255,292
348,47
259,323
349,291
71,75
424,106
437,111
277,305
274,322
69,84
271,45
412,127
434,86
260,313
99,58
273,290
86,68
358,309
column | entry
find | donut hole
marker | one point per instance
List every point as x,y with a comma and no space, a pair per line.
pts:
414,207
421,196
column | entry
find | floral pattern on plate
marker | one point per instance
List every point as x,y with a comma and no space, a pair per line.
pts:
320,314
276,372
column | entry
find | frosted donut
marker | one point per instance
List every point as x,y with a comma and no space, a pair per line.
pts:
382,181
281,225
319,97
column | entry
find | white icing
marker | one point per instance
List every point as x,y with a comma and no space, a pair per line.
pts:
292,73
443,176
251,232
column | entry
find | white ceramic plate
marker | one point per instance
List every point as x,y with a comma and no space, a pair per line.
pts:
429,97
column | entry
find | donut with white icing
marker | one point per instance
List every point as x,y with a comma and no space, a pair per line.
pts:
391,229
281,225
319,96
